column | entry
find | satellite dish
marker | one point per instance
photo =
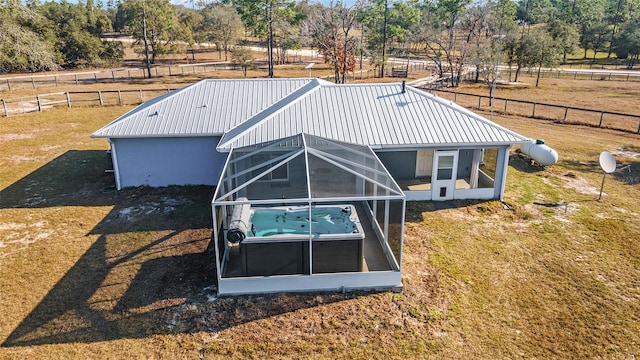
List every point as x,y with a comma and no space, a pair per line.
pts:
607,162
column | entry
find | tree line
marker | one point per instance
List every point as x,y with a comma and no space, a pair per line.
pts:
456,35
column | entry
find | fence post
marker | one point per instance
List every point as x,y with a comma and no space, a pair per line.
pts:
609,76
129,74
100,98
638,128
38,102
119,98
33,83
141,95
113,76
76,76
55,78
505,105
4,107
575,74
68,99
566,111
479,99
9,85
601,116
455,97
169,70
533,114
591,76
95,77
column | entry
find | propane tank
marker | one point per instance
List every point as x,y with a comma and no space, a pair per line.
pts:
539,152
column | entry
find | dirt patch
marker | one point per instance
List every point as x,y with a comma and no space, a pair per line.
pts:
18,236
575,182
8,137
164,206
624,152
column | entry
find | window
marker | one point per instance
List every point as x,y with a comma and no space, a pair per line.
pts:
280,173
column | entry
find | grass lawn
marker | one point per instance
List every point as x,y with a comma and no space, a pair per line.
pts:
89,272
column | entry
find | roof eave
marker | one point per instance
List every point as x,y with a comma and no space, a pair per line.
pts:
150,136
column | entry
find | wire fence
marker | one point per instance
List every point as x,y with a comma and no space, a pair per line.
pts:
127,74
41,102
585,75
537,110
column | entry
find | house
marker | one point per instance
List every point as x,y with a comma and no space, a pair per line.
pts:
326,167
425,142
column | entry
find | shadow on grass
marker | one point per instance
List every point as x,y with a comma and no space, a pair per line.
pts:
168,295
75,178
523,163
150,271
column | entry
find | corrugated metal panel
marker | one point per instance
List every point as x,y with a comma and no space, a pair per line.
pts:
379,115
209,107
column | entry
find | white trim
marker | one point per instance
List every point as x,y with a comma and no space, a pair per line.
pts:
116,167
418,195
503,176
474,194
309,283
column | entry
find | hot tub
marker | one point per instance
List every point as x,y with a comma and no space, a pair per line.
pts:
280,245
286,223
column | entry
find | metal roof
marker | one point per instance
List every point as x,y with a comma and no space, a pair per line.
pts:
379,115
208,107
253,111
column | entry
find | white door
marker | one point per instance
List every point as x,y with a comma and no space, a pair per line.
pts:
424,163
445,168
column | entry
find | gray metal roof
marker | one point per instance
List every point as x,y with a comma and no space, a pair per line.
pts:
208,107
254,111
379,115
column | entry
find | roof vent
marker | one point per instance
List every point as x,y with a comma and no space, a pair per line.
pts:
154,113
404,86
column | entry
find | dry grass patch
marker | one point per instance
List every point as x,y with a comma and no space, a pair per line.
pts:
616,96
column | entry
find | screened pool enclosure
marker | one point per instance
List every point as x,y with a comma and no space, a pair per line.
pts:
306,213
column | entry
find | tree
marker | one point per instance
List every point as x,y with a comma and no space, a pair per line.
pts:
163,30
628,43
375,19
22,47
541,51
76,29
242,57
565,35
595,37
222,25
386,21
263,17
619,12
331,29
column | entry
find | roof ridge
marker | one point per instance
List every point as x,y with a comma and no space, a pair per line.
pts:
269,112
